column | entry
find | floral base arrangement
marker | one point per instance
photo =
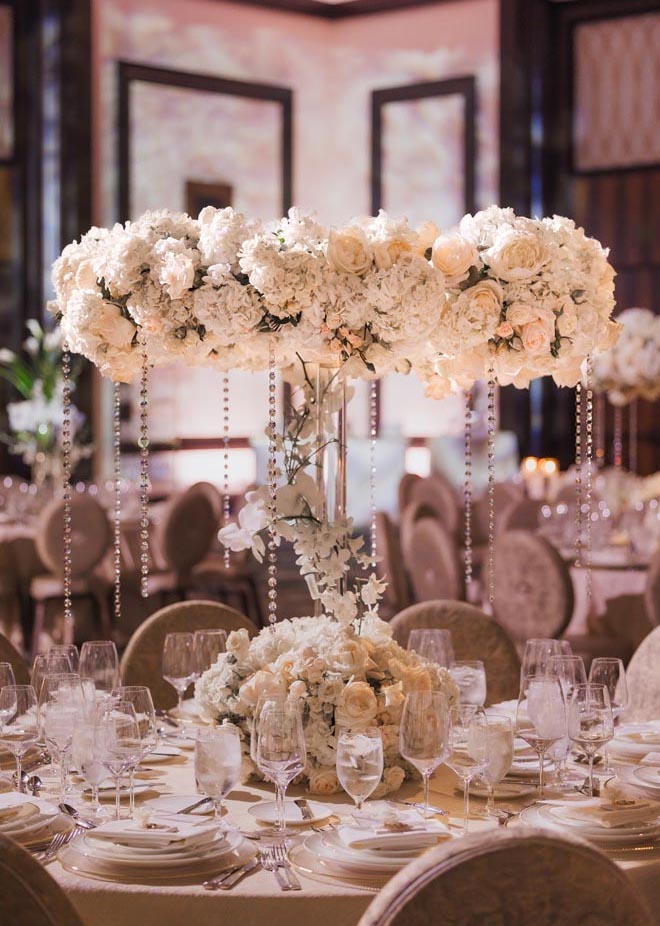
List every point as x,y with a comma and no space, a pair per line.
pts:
346,676
631,368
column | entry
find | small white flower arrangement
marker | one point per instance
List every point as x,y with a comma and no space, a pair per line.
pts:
631,369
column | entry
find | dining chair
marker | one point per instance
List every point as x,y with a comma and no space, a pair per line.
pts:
184,535
141,662
30,896
9,653
644,679
432,562
11,600
390,566
523,514
436,494
406,484
509,879
533,588
90,539
652,591
474,635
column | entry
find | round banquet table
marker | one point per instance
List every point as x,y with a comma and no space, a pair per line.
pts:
257,899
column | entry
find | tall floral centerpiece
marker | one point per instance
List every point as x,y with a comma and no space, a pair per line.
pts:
502,298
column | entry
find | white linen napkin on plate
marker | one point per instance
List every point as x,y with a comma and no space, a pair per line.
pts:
611,812
169,831
423,835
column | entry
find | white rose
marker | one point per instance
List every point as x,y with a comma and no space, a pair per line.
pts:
426,235
348,251
393,695
516,255
357,706
177,274
108,324
538,335
298,689
388,251
238,643
453,256
479,308
86,275
349,657
262,684
393,778
323,780
519,314
507,362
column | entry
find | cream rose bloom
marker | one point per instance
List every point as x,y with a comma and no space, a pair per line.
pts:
238,643
177,274
453,255
479,308
516,254
262,684
86,275
348,251
348,658
357,705
108,324
388,252
539,333
323,780
426,235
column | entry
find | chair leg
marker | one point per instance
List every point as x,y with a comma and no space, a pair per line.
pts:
39,623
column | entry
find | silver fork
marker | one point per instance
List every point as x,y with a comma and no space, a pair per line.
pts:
279,851
61,839
269,863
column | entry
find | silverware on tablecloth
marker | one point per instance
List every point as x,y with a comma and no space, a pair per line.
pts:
418,805
75,815
583,759
191,807
57,842
279,851
270,863
165,717
304,808
231,877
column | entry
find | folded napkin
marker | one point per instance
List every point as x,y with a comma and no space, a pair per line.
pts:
157,831
651,758
644,737
390,838
613,811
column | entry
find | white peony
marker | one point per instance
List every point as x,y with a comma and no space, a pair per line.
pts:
454,256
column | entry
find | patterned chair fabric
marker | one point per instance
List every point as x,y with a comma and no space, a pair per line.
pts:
9,653
433,562
644,679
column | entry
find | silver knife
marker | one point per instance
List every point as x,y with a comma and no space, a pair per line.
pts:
305,809
419,805
227,883
191,807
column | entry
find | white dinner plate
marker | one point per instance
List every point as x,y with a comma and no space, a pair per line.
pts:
351,862
562,814
315,868
166,857
504,790
175,803
266,812
377,859
648,775
107,792
537,815
46,808
163,753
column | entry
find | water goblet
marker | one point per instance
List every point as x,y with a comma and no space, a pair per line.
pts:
611,673
70,650
536,656
469,751
61,708
99,661
208,645
499,735
570,671
281,752
48,664
178,664
121,745
86,753
425,734
590,722
470,678
218,763
434,644
360,763
140,697
541,717
20,722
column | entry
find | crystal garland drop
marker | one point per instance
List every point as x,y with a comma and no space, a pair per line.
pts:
373,429
589,411
491,486
599,430
467,488
632,437
225,460
618,437
116,476
272,489
143,443
578,474
66,490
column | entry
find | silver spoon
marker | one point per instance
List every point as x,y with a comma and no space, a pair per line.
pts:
72,812
34,785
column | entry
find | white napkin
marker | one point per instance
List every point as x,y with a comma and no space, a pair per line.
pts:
420,837
170,830
613,811
652,758
12,813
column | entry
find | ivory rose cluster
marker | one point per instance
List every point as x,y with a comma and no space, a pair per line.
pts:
632,367
343,677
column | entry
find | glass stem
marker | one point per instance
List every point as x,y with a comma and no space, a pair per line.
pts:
63,771
95,799
591,774
19,772
179,695
217,808
279,798
541,772
117,797
466,802
131,791
490,803
427,781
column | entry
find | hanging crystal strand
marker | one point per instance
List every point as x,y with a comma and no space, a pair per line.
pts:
143,443
272,488
467,489
589,412
578,474
618,437
599,431
116,475
491,486
66,491
225,460
373,429
632,436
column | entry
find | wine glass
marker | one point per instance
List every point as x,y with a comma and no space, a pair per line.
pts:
611,673
140,697
590,722
61,708
281,752
499,735
48,664
470,678
360,763
99,661
121,746
254,729
20,722
208,644
218,763
179,663
425,734
571,672
70,650
86,753
433,644
541,717
535,658
469,751
6,676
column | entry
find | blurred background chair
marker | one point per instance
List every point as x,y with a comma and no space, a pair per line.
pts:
9,653
432,562
391,566
643,674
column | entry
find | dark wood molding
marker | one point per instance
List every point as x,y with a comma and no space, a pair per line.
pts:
188,443
128,73
464,86
348,9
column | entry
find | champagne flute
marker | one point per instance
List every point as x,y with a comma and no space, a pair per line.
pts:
611,673
218,763
20,722
121,744
86,752
469,752
281,752
179,663
434,644
590,722
99,661
541,717
208,645
470,678
360,763
499,735
140,697
61,707
425,734
70,650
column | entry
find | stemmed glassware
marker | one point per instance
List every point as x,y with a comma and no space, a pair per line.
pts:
140,697
20,722
99,661
570,671
470,678
434,644
611,673
499,735
86,752
360,763
48,664
425,734
61,708
121,744
70,650
541,716
208,644
218,763
178,666
537,655
281,752
469,751
590,722
6,677
254,730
